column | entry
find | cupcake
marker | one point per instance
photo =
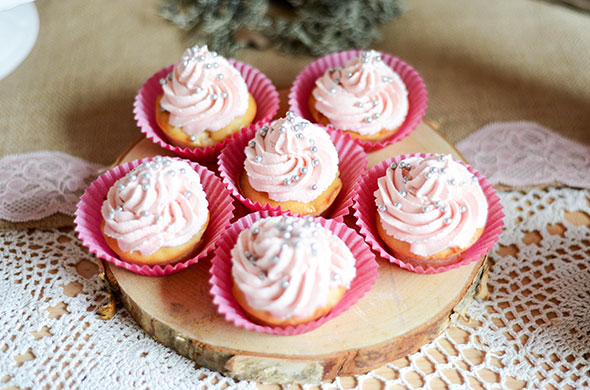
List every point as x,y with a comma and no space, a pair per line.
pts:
205,100
156,214
289,271
430,210
365,98
291,164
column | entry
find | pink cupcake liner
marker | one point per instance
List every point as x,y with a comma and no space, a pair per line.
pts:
221,280
365,214
88,219
417,95
264,92
352,168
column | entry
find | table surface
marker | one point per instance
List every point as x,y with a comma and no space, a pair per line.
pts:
481,61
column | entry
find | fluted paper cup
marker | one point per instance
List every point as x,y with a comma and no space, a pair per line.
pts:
418,98
264,92
221,279
365,213
353,164
88,219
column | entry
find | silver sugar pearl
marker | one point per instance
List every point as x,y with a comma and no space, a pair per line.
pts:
314,187
275,259
187,194
452,182
287,182
182,171
376,115
304,170
133,177
349,74
427,208
192,138
393,165
314,149
382,207
315,162
447,221
251,143
145,187
286,235
119,208
261,275
462,209
300,135
111,215
332,90
397,205
443,170
295,177
224,95
171,172
144,213
213,96
444,209
375,102
201,57
358,104
121,187
208,66
282,129
285,284
255,231
403,193
219,76
258,159
162,81
198,89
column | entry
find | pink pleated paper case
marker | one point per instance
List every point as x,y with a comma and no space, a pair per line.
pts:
264,92
352,166
221,280
88,218
365,211
417,95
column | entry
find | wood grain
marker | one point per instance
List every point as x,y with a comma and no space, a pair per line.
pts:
402,312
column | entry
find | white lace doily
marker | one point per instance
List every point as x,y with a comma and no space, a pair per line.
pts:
525,154
534,328
38,184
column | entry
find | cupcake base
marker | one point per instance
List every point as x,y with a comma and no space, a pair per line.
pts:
180,138
319,206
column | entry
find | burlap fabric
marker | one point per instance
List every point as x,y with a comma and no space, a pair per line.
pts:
481,60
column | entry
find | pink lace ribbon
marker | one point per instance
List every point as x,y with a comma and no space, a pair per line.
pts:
37,184
526,153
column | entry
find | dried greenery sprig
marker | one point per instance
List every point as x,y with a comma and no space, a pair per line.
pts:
314,27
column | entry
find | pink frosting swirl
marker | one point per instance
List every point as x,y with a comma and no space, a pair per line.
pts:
158,204
291,159
432,203
204,92
364,96
287,266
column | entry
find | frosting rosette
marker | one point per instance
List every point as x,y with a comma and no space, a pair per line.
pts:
291,159
287,266
203,92
160,203
432,203
365,95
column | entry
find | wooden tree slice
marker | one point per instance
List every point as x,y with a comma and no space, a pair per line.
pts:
402,312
